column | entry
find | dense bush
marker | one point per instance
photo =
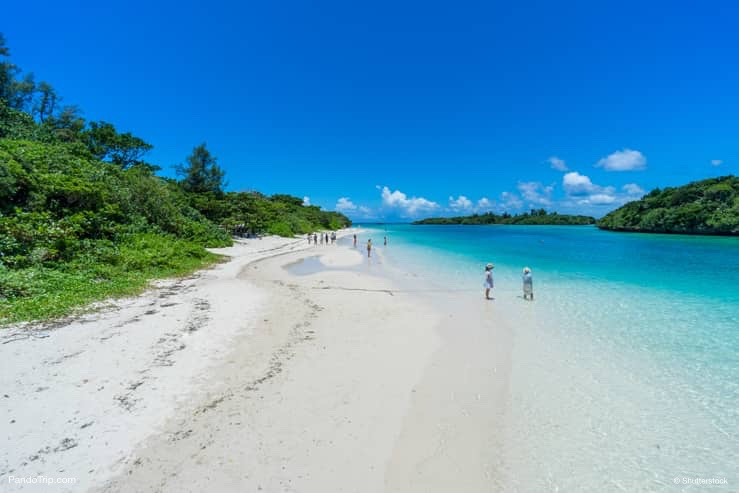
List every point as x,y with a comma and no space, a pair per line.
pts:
83,216
101,269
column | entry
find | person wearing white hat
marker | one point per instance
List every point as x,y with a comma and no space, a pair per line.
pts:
528,284
488,285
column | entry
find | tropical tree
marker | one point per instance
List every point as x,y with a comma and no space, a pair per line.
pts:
106,144
201,174
7,72
45,102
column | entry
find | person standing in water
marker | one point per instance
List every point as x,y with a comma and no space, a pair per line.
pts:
488,285
369,248
528,284
386,241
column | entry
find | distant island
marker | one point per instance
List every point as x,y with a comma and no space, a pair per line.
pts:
535,217
706,207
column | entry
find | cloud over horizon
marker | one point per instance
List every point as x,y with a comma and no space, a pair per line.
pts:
581,191
536,193
406,206
485,204
510,201
579,196
574,183
461,203
626,160
344,204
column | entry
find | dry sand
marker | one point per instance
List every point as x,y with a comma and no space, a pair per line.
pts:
254,376
244,377
78,397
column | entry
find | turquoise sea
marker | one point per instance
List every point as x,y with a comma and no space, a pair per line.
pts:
624,371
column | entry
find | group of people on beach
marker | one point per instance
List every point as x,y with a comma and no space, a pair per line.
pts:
526,277
322,238
369,244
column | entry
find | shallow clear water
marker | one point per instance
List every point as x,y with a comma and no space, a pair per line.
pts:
624,370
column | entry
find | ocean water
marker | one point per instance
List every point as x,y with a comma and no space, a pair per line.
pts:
624,371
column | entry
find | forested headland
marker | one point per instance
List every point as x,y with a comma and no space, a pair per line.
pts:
707,207
84,215
535,217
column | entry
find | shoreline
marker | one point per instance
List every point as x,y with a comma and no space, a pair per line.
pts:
139,373
316,369
364,385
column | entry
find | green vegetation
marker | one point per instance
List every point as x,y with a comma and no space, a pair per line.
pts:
84,217
535,217
707,207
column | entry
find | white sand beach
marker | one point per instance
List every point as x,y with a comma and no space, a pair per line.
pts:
247,377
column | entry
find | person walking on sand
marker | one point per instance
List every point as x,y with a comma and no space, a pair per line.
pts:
326,238
355,241
369,248
309,238
315,239
488,285
528,284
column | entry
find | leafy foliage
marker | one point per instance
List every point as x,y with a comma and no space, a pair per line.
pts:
111,270
703,207
202,173
83,217
535,217
104,142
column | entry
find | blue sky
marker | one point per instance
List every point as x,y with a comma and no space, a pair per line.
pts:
394,110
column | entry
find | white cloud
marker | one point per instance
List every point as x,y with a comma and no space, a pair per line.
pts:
408,206
461,203
600,199
717,162
536,193
484,204
306,200
510,201
582,191
345,205
576,184
633,189
557,163
626,160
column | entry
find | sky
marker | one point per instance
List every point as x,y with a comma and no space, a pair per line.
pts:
390,111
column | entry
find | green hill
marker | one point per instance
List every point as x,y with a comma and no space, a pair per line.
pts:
535,217
707,207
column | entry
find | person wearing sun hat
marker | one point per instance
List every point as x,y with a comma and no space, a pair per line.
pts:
528,284
488,285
